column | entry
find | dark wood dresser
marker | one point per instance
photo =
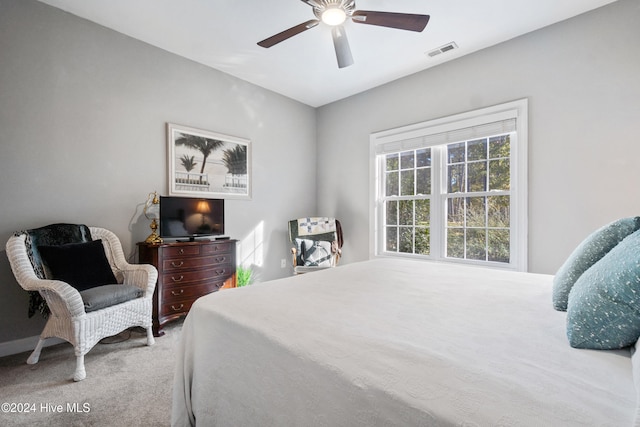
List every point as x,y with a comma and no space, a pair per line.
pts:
187,271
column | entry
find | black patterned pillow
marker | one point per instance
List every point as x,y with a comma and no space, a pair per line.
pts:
316,253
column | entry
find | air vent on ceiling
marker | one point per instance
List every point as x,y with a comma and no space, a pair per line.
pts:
442,49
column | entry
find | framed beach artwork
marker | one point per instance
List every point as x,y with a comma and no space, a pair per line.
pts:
208,164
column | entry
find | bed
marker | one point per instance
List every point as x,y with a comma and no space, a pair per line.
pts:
393,342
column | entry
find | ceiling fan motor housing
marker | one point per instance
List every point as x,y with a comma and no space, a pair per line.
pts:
348,6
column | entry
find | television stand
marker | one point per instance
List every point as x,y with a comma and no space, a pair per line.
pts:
187,271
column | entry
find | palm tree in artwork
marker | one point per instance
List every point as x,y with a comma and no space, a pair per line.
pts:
204,145
188,163
236,160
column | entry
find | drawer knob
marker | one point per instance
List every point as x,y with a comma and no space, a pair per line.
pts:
219,272
181,251
178,308
177,264
179,279
175,294
220,259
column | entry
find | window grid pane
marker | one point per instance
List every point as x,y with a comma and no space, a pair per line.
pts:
392,239
408,182
499,163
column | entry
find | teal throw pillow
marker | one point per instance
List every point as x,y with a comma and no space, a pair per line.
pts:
604,304
590,251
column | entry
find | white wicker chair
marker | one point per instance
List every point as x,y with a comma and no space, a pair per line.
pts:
68,319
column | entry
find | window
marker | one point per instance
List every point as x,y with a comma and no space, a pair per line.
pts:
478,199
407,201
453,189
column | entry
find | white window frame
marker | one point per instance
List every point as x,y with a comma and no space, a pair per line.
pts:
422,135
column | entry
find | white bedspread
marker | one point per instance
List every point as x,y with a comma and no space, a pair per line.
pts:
394,343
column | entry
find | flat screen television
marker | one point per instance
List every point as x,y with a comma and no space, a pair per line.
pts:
191,217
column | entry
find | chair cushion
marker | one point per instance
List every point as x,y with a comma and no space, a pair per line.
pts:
591,250
107,295
604,304
82,265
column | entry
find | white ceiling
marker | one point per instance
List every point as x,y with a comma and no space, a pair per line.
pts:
223,35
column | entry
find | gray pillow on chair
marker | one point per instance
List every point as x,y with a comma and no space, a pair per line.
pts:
108,295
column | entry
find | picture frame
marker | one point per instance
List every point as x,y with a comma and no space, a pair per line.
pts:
207,164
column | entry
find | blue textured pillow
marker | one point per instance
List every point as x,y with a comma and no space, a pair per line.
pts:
604,304
590,251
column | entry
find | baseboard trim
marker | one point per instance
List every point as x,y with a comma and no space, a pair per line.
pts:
25,344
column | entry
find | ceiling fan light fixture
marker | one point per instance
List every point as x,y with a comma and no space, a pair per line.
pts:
335,12
333,15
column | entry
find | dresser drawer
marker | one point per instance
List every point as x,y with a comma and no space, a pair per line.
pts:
217,248
179,294
176,307
176,264
175,304
180,278
181,251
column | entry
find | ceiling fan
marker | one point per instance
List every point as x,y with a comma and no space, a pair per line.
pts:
336,12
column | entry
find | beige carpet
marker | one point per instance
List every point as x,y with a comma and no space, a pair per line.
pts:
127,384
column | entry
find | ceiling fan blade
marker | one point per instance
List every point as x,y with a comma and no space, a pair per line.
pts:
280,37
311,3
341,45
401,21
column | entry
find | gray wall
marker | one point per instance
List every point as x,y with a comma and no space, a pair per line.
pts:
582,79
83,112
